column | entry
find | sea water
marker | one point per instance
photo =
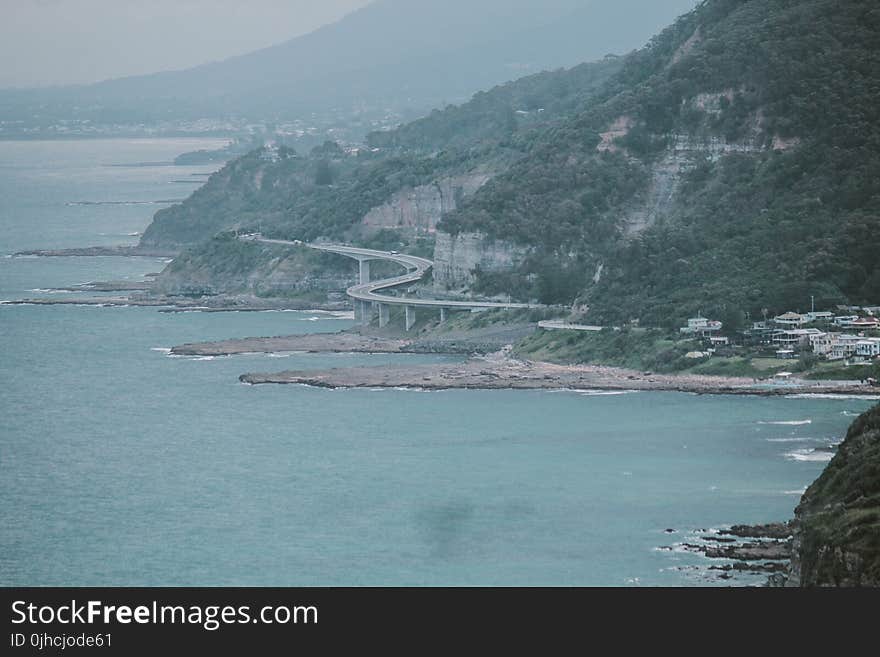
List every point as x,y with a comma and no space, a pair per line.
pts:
123,465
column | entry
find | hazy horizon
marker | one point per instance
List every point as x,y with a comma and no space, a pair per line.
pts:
63,42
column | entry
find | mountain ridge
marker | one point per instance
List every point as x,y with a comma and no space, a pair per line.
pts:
404,54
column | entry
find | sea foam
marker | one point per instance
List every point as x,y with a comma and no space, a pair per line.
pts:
792,423
811,455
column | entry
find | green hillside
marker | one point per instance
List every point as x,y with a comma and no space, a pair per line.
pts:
790,209
731,166
837,523
326,192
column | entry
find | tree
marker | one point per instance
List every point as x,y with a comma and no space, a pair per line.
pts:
323,173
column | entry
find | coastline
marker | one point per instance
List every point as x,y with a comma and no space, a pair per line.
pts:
182,304
106,251
501,372
341,342
495,371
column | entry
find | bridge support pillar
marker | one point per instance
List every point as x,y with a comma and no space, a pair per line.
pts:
364,271
442,315
384,314
366,312
410,317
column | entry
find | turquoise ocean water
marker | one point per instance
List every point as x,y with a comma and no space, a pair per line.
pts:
121,465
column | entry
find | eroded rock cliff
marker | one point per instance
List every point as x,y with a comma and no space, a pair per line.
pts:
458,257
420,208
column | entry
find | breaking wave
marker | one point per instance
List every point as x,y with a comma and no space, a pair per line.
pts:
792,423
812,455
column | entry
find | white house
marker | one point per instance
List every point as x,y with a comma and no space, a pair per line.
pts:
822,343
701,325
844,347
868,348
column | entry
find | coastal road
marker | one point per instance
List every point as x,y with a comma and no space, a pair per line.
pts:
368,291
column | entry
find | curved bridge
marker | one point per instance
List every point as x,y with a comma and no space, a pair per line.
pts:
368,301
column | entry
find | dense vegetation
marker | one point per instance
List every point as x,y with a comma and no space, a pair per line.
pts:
837,527
498,114
325,193
775,197
764,228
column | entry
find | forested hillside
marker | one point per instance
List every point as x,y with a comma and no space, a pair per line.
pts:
732,165
325,193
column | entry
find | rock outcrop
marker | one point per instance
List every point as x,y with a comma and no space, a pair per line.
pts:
683,153
457,257
420,208
837,523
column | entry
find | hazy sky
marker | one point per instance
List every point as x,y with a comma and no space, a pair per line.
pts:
69,41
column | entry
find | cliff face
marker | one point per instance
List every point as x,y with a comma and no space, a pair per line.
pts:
683,154
419,209
837,523
457,257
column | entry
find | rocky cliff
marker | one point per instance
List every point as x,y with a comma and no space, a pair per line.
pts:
458,257
837,523
684,153
418,209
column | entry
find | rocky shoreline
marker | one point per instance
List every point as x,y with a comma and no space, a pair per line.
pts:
502,373
178,304
342,342
753,549
92,251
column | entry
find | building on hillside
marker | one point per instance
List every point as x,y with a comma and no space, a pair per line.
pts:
785,354
819,316
790,319
863,323
795,337
868,348
701,326
760,332
844,347
844,320
822,343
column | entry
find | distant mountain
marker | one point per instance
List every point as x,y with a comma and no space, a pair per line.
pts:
391,54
